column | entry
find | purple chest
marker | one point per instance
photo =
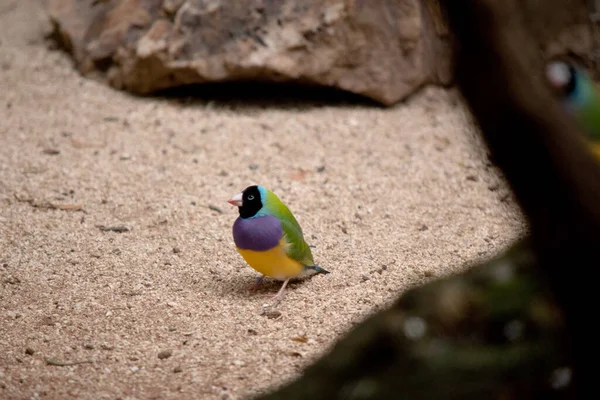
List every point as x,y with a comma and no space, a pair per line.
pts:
259,234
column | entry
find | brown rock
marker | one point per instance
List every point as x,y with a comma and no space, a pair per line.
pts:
382,49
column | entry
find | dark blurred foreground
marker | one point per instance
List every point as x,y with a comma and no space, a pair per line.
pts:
514,327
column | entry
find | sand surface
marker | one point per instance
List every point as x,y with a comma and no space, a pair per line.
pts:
390,198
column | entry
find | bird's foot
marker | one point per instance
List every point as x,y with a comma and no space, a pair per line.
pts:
257,285
277,298
254,287
272,301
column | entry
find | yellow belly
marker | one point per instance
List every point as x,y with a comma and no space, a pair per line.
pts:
273,263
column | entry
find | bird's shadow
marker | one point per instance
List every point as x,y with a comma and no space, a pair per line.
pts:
237,286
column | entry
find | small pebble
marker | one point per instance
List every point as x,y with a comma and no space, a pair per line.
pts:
14,314
165,354
29,351
215,208
177,369
253,166
12,280
272,314
493,187
117,228
51,152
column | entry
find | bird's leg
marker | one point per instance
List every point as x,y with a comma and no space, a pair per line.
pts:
281,292
258,283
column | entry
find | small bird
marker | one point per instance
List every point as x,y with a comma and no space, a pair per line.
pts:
580,96
269,238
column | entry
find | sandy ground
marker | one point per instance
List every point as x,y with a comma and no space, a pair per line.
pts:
390,198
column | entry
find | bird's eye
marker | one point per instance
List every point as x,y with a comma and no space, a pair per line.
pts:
251,197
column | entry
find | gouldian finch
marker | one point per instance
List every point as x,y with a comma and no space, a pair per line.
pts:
581,97
269,238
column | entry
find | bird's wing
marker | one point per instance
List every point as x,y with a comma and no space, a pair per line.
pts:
298,248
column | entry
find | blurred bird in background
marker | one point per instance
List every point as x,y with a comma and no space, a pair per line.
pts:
580,96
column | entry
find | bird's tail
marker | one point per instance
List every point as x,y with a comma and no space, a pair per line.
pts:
317,269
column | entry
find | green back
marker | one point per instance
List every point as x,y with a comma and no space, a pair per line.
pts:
299,249
589,115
